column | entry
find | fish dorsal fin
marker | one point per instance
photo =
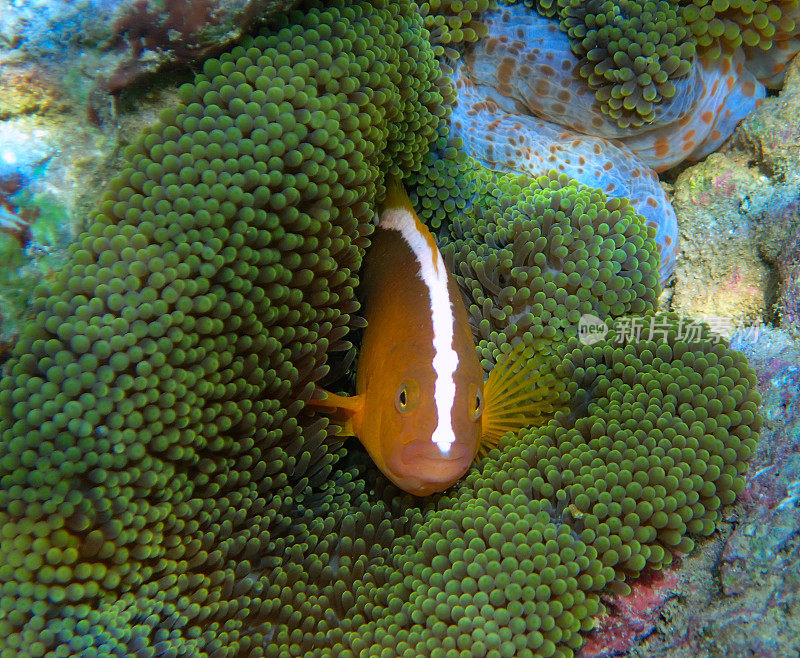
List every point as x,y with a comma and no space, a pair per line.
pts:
521,392
396,196
345,412
399,214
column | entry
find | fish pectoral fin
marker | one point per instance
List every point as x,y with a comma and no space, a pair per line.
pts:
344,411
522,391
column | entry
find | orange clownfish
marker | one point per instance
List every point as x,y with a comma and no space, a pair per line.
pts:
421,407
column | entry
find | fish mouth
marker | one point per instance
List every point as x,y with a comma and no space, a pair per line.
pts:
421,468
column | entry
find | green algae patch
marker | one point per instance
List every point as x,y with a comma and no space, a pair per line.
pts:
157,490
533,255
719,26
454,23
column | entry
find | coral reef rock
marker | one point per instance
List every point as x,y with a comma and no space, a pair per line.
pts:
118,40
738,222
720,274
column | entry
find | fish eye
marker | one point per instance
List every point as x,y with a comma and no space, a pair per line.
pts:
405,400
476,401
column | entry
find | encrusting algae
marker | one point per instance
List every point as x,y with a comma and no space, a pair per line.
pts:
165,489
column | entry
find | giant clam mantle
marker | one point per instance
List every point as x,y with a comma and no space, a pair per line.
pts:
524,104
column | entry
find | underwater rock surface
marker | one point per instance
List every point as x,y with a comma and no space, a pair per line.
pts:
110,43
720,272
738,220
788,267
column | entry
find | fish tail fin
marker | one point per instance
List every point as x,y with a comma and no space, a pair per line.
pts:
343,411
522,391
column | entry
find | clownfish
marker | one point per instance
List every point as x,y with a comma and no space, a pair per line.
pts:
421,408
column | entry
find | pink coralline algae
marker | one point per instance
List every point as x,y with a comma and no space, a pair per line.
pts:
632,617
523,106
